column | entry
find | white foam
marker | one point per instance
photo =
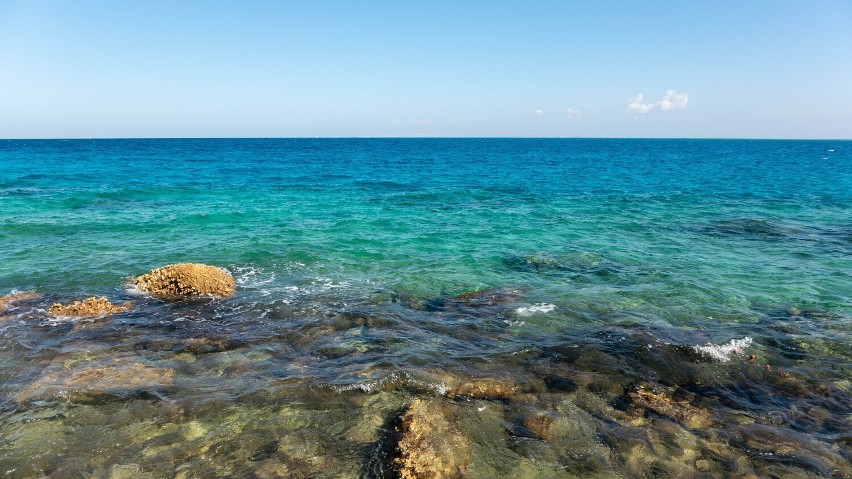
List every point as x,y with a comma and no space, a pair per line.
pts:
535,309
326,284
132,290
722,353
251,276
60,320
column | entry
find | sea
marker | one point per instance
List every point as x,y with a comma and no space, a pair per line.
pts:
559,307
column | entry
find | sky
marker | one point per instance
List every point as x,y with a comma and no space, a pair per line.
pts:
720,69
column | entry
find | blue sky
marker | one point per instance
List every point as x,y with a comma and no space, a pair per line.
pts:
740,69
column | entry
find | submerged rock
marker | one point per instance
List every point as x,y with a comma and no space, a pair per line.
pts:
473,300
9,299
97,383
793,448
429,446
187,279
452,386
88,307
209,345
661,402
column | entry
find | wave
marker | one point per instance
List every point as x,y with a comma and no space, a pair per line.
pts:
538,308
723,353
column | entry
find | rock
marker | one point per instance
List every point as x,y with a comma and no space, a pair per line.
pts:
452,386
9,299
208,345
473,300
187,279
88,307
646,396
95,383
481,388
795,448
429,447
539,425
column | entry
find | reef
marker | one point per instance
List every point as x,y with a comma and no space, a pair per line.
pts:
187,280
9,299
659,400
88,307
429,447
96,383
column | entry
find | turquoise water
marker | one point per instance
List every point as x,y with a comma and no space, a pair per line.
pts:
349,254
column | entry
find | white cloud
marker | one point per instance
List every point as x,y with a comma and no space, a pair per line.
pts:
572,113
636,106
539,113
671,101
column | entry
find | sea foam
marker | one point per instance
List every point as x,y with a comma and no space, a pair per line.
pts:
722,353
535,309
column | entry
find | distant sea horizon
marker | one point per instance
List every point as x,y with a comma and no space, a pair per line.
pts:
424,137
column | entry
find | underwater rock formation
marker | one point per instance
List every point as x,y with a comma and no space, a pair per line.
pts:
645,396
429,446
97,383
9,299
88,307
187,279
472,300
452,386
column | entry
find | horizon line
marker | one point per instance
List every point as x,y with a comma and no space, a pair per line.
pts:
424,137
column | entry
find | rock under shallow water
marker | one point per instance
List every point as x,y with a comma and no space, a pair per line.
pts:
96,383
88,307
8,300
452,386
429,447
660,401
187,279
473,300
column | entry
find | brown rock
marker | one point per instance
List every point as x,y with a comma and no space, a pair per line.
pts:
88,307
452,386
187,279
429,446
479,388
661,402
539,425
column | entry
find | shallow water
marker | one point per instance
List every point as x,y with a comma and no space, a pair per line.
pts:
609,279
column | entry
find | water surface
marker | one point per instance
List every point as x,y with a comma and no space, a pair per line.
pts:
596,268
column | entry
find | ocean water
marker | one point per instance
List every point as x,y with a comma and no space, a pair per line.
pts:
671,308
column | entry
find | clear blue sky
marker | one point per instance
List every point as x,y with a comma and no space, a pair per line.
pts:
753,69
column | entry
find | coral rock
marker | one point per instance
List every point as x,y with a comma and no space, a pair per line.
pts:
429,446
187,279
88,307
646,397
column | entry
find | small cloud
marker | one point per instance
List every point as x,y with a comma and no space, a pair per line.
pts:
671,101
572,113
539,113
636,106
